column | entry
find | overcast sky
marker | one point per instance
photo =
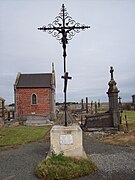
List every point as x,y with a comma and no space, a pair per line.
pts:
109,42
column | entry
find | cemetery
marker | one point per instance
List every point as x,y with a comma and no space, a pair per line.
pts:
68,140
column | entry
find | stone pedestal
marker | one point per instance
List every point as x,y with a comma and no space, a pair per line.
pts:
113,100
67,140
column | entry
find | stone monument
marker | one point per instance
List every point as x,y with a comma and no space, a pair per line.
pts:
67,140
113,100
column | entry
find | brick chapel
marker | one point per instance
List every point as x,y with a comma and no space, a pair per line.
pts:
35,95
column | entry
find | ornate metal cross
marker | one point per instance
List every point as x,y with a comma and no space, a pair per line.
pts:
63,28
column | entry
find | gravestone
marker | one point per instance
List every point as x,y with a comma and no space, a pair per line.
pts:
87,108
99,105
82,105
95,107
91,107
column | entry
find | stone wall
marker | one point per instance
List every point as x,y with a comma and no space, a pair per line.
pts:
98,121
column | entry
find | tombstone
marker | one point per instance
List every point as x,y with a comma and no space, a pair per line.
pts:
95,107
82,105
91,107
120,109
99,105
87,109
113,100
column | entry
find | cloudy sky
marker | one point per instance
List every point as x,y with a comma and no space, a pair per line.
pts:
109,42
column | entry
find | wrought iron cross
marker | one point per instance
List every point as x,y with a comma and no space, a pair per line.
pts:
63,28
66,77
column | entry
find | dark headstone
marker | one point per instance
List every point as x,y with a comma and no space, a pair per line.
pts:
87,109
95,107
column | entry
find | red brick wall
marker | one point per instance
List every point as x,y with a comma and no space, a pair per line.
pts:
24,105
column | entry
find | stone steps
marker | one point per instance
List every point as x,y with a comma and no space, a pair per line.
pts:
38,123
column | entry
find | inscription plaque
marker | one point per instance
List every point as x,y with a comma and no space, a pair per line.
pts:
66,139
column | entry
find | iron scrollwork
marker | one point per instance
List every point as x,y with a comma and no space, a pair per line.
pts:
63,26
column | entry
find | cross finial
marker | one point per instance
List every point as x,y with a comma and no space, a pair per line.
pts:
111,71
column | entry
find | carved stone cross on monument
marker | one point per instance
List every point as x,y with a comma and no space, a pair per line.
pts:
64,28
111,71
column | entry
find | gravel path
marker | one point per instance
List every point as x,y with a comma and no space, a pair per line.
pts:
20,163
114,162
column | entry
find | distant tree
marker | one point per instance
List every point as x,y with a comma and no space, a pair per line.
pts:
10,105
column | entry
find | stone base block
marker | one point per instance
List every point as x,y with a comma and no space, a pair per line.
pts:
67,140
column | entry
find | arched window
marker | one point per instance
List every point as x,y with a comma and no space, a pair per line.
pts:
34,99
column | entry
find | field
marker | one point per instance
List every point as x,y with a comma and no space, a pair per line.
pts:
130,115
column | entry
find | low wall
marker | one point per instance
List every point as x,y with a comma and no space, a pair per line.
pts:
30,117
98,121
33,120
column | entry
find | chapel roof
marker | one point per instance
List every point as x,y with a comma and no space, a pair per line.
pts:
33,80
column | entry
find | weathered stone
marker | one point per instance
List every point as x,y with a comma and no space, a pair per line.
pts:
67,140
98,121
113,100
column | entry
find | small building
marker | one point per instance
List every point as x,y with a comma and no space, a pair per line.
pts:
35,96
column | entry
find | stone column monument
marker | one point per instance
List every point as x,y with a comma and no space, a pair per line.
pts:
113,100
53,103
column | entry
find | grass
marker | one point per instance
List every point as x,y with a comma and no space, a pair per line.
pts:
127,138
12,136
130,117
64,168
